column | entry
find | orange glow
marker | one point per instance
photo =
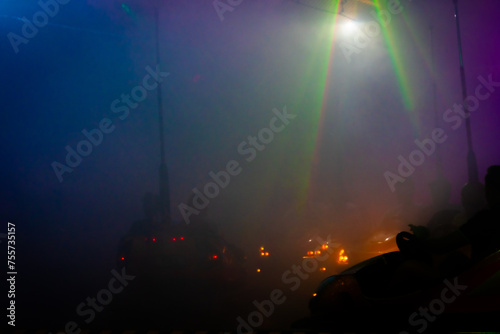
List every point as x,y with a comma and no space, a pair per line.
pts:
262,254
267,253
343,259
315,294
322,269
324,246
258,270
310,253
317,252
261,248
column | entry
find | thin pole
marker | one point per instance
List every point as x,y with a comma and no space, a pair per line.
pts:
439,158
163,171
471,156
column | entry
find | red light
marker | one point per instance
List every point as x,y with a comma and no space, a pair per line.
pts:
214,256
173,239
154,239
123,258
145,239
182,238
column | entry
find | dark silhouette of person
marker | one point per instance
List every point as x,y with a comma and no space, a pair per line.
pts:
472,198
482,231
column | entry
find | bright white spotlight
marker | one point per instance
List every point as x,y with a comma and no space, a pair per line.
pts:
349,27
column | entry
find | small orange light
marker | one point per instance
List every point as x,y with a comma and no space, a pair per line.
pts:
258,270
261,248
324,246
343,259
310,253
315,294
317,252
266,253
322,269
262,254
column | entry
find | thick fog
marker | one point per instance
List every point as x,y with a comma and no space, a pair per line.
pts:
300,118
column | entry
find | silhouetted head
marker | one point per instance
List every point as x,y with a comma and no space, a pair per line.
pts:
472,197
492,186
440,190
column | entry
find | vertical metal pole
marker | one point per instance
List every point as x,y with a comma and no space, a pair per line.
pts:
163,172
439,157
471,156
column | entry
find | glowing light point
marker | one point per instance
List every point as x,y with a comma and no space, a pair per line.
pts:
343,259
349,28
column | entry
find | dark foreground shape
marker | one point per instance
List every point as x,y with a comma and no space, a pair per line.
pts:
367,297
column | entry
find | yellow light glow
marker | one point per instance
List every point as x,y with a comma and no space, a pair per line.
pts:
310,253
324,246
315,294
261,248
317,252
343,259
322,269
266,253
258,270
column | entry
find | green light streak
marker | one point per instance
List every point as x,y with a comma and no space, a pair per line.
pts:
396,59
316,103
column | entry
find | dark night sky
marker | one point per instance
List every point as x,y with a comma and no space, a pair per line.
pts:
225,78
